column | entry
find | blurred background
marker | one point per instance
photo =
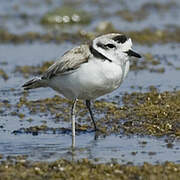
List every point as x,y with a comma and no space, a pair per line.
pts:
34,33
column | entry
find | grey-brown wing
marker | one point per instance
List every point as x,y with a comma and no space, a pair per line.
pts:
69,62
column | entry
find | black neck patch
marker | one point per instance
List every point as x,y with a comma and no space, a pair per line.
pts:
120,39
98,54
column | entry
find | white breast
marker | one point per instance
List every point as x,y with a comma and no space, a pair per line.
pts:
91,80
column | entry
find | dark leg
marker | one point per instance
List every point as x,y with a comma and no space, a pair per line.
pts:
88,104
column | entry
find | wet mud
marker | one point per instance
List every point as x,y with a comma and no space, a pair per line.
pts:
139,124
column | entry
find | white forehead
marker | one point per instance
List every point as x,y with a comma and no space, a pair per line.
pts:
106,38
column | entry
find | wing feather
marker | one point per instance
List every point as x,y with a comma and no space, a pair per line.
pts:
69,62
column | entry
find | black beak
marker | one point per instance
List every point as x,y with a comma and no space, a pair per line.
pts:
132,53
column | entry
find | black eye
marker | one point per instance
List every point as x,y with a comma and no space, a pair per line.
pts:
110,45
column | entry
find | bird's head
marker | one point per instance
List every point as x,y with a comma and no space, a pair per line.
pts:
114,47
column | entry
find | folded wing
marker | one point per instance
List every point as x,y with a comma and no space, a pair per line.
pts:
69,62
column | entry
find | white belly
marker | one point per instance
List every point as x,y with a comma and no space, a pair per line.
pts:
91,80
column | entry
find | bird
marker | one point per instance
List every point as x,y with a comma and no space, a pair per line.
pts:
88,71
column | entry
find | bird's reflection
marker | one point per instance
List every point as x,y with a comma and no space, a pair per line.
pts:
75,150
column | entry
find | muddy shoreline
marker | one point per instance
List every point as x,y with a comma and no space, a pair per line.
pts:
139,124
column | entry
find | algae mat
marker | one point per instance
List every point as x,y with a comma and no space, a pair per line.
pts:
139,123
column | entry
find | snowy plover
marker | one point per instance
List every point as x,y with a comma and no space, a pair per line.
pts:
88,71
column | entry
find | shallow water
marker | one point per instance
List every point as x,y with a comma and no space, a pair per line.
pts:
121,149
48,146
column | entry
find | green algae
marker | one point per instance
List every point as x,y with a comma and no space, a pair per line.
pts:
23,169
66,15
132,16
33,70
147,63
3,74
29,37
144,37
154,113
5,103
151,37
150,113
35,130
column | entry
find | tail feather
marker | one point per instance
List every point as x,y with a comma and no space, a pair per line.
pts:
33,83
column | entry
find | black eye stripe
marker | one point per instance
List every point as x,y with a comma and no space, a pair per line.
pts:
102,45
110,45
120,39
